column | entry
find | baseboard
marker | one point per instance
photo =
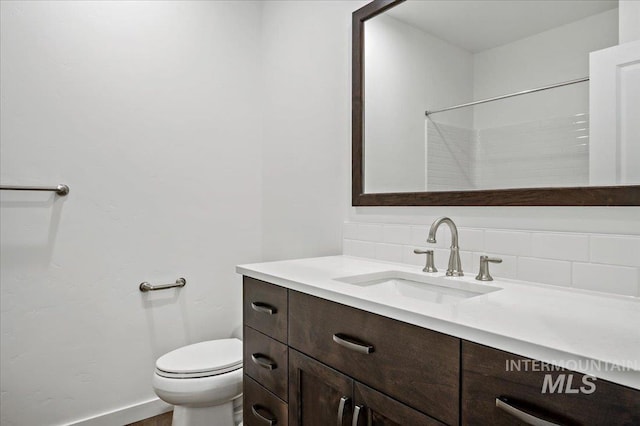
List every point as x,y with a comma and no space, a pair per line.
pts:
126,415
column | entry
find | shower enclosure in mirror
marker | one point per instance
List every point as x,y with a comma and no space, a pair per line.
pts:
484,103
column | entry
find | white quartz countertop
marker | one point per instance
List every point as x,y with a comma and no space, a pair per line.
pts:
589,332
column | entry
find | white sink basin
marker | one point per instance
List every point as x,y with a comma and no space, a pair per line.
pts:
428,288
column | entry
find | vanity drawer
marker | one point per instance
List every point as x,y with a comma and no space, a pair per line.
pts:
490,373
260,406
416,366
266,361
265,308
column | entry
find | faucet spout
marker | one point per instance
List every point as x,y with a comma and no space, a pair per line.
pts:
455,265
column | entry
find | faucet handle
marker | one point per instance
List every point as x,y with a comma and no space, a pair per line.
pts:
429,267
483,273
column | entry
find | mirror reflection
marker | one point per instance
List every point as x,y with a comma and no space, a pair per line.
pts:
422,57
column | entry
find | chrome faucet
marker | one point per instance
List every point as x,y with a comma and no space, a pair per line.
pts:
483,273
455,267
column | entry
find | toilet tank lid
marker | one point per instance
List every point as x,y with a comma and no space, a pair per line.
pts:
212,355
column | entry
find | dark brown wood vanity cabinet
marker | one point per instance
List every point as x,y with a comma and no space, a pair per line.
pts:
323,396
567,398
312,362
265,353
318,360
416,367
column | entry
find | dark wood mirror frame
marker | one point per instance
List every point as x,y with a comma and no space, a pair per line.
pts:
573,196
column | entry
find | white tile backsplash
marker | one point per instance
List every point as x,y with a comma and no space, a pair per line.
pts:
369,232
466,258
396,234
389,252
350,231
615,250
471,239
556,272
612,279
508,242
441,258
607,263
547,152
359,249
560,246
419,235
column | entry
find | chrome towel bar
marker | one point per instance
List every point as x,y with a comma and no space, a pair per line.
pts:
145,286
60,189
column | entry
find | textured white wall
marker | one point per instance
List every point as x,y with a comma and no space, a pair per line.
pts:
629,20
522,141
537,61
307,115
147,110
409,71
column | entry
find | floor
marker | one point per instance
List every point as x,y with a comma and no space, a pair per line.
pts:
161,420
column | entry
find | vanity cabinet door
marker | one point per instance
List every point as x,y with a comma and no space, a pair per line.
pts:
265,308
380,410
567,398
261,407
418,367
316,393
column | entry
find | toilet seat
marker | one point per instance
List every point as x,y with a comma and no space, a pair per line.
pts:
204,359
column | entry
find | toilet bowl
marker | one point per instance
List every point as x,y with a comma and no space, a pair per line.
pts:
204,383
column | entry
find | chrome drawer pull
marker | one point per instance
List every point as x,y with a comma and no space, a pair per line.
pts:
353,344
264,415
265,308
356,414
264,361
507,406
344,401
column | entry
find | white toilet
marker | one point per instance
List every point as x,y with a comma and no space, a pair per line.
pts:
204,383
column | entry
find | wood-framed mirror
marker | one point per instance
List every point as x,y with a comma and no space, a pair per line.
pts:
485,183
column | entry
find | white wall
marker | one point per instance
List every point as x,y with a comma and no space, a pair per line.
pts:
147,110
307,115
537,61
409,71
629,20
522,141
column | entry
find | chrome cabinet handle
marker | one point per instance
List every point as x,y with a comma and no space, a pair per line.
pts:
264,415
264,308
264,361
344,401
356,415
508,407
353,344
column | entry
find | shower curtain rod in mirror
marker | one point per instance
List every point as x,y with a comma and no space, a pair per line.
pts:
510,95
